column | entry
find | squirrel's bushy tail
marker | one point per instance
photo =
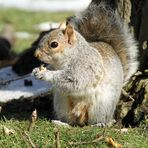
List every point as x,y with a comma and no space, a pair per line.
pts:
101,23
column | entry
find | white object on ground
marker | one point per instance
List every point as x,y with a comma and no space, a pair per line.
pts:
46,26
23,35
60,123
16,89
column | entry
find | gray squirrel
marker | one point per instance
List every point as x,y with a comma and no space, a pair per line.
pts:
93,56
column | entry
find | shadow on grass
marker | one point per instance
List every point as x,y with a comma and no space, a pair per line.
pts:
22,109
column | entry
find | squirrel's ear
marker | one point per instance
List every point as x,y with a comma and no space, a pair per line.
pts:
62,25
70,34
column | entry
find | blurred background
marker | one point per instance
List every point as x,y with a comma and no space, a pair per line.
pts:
22,20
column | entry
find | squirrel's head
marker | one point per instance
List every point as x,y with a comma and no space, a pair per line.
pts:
53,45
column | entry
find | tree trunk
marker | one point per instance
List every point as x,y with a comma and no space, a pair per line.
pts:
133,105
141,31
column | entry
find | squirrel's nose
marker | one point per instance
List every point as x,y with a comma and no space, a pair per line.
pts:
37,54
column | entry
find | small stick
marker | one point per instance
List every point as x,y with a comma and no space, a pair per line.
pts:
57,138
23,137
29,139
105,127
87,142
104,130
127,95
113,143
33,119
5,82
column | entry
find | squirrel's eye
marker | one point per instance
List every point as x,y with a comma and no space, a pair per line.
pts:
54,44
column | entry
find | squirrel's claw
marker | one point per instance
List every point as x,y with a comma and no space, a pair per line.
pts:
39,74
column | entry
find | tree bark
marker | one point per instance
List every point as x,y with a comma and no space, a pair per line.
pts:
133,107
139,22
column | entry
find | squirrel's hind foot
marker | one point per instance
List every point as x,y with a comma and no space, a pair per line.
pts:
60,123
108,124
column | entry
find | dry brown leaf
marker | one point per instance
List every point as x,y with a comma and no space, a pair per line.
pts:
8,131
34,116
57,138
33,119
113,143
124,130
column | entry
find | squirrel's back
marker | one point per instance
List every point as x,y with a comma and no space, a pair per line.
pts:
101,23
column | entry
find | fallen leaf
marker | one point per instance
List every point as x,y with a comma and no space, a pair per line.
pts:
8,131
113,143
124,130
34,116
33,119
57,138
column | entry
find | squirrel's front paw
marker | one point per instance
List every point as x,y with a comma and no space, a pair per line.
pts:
38,73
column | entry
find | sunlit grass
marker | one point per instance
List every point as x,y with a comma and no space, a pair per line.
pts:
24,21
42,135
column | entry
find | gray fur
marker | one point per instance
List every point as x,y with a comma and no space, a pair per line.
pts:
90,72
101,23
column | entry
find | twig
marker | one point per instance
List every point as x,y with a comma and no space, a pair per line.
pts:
104,131
87,142
127,95
146,84
29,139
57,138
105,127
5,82
33,119
24,138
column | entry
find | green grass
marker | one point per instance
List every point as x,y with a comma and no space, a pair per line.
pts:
25,21
42,135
